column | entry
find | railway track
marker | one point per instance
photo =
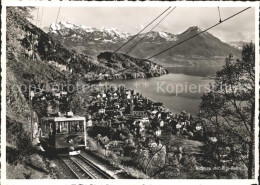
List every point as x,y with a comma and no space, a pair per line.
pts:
82,168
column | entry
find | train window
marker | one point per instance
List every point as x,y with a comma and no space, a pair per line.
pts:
81,126
44,128
62,127
76,126
51,127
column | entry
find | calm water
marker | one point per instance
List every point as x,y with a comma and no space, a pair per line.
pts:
179,90
203,71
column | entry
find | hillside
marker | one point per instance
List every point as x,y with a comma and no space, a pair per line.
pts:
203,49
48,62
35,59
132,67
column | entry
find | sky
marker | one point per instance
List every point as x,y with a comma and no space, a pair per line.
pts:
133,19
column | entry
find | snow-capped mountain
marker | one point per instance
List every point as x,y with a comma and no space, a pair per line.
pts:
84,33
238,44
159,36
192,29
93,41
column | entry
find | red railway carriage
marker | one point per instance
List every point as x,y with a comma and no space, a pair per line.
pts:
63,134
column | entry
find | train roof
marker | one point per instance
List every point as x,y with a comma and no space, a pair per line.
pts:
64,118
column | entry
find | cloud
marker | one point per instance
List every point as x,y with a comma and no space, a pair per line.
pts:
134,19
238,35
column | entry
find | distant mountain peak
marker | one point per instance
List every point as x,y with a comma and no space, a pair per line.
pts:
93,40
163,34
195,29
160,34
61,25
238,44
82,29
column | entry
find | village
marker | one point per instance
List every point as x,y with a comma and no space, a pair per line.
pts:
123,121
118,117
58,126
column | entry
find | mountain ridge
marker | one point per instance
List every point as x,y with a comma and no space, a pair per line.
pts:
202,49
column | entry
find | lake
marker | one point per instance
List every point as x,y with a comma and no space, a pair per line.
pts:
179,90
203,71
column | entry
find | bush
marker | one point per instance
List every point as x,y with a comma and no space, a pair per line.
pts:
37,161
29,167
92,144
135,173
16,171
113,157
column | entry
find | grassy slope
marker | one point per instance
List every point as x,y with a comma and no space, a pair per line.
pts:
22,161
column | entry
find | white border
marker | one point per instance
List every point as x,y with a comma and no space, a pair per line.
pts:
129,3
124,4
257,72
3,95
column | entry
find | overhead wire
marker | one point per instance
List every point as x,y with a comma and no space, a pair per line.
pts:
36,22
149,31
219,15
41,17
57,16
185,40
146,34
141,30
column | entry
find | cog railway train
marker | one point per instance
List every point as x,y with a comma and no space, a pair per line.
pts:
63,134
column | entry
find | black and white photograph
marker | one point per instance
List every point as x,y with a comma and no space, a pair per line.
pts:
131,92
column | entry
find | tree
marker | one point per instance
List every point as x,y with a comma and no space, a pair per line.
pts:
230,104
19,13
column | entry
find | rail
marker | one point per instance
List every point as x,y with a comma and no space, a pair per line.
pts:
83,168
